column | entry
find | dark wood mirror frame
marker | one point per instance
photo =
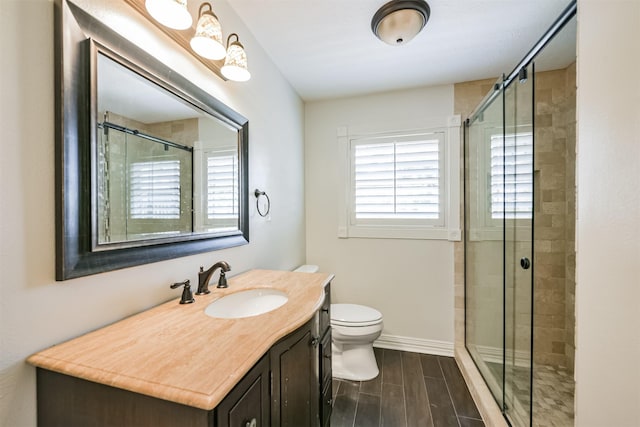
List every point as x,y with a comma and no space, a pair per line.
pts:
76,254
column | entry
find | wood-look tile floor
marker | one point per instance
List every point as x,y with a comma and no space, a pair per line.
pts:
412,390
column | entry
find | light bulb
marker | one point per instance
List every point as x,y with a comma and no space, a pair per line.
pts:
235,64
170,13
207,42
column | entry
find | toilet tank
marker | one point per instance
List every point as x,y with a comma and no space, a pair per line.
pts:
307,268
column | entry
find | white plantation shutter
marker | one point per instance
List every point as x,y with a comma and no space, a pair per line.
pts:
512,176
222,186
398,178
154,191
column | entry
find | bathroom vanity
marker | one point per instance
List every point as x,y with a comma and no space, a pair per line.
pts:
174,365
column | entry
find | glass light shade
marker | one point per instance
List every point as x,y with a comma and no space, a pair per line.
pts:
170,13
235,64
207,42
400,26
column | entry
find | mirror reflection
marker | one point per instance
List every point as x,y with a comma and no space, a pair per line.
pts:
164,168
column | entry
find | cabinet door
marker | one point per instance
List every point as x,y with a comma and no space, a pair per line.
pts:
325,359
325,310
247,405
294,382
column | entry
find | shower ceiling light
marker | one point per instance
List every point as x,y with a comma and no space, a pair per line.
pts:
171,13
207,42
235,64
399,21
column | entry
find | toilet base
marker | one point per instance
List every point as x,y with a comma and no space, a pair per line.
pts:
354,362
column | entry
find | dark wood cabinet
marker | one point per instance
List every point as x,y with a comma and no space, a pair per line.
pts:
66,401
247,405
293,379
301,373
289,387
325,396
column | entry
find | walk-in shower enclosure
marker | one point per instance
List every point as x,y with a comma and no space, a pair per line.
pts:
519,159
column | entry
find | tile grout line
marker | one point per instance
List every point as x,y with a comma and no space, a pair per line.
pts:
404,394
426,390
355,410
446,383
381,373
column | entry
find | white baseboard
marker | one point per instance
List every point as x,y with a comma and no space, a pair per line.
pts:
416,345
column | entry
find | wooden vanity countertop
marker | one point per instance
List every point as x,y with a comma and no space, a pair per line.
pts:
176,352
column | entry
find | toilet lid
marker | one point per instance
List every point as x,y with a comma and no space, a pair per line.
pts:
354,314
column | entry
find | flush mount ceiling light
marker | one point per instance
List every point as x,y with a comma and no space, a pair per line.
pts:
399,21
235,64
207,42
171,13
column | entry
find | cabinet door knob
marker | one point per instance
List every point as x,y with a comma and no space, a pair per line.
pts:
252,423
315,341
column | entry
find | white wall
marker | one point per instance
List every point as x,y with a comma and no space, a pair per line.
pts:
608,225
409,281
35,310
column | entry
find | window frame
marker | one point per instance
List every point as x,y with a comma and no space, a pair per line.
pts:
394,139
447,227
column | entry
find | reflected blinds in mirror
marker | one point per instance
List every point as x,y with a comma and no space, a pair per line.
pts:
222,189
154,191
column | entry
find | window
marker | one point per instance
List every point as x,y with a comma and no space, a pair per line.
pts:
154,191
401,185
222,189
397,179
512,176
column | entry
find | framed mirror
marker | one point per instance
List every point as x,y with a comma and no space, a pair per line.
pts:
148,166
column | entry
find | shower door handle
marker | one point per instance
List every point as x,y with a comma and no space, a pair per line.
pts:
525,263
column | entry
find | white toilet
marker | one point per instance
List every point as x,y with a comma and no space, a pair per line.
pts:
354,328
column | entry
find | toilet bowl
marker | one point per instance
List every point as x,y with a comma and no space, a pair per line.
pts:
353,329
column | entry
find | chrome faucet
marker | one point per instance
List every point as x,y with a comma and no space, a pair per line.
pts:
205,276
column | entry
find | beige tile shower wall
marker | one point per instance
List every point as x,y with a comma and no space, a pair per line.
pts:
183,132
554,228
570,230
555,214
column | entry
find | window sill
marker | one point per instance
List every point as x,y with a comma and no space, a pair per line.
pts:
404,233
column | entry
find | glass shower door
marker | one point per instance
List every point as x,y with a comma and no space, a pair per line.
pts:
499,246
518,198
484,237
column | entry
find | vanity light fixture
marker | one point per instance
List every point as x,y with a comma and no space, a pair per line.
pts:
235,63
207,42
171,13
399,21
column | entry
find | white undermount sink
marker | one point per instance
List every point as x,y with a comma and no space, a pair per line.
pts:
246,303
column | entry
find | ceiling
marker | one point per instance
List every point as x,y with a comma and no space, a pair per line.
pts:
325,48
128,94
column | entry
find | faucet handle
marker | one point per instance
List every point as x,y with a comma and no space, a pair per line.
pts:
187,296
222,281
